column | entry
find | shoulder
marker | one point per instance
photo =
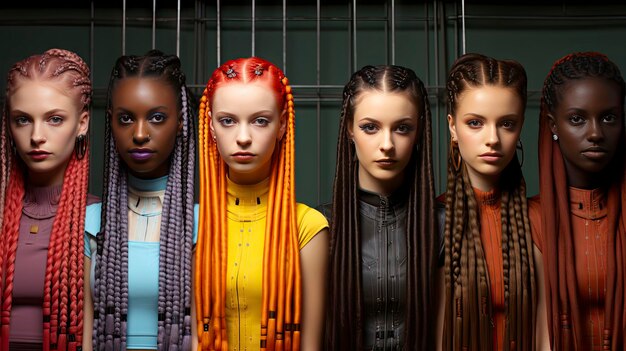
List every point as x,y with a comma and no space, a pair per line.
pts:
326,210
310,222
92,218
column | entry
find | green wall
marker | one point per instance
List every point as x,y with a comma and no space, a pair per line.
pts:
427,39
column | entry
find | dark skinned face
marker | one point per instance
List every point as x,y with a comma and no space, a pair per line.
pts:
589,121
145,122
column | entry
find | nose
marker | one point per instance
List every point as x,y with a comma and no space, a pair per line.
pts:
38,136
595,132
386,144
493,138
243,135
141,134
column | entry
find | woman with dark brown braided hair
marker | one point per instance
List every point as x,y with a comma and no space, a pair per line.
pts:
579,220
382,257
261,257
490,272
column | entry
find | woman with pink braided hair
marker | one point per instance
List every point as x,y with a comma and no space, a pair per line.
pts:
45,164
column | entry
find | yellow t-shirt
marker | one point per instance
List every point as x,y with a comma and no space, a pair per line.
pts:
246,211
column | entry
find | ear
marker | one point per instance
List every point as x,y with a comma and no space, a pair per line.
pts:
552,124
83,123
283,125
452,127
211,127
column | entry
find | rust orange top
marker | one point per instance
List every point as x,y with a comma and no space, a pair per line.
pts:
491,238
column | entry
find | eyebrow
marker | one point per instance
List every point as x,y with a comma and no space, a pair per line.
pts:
261,112
53,111
476,115
123,109
372,119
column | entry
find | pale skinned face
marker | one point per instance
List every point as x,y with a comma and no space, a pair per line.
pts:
247,124
384,130
44,120
487,125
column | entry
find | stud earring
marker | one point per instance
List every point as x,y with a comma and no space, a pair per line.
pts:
555,137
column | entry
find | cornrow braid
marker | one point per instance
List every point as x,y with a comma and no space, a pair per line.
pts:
566,325
468,301
175,250
63,285
344,310
281,283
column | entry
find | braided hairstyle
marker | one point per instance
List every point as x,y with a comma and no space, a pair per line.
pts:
468,323
63,285
282,290
345,306
175,250
566,324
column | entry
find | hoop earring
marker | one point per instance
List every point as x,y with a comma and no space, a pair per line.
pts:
455,155
80,146
520,147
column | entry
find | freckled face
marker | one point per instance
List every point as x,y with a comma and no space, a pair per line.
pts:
247,124
384,130
44,121
145,122
589,121
487,125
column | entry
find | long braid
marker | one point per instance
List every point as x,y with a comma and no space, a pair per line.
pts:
174,281
281,300
344,299
63,284
468,301
565,322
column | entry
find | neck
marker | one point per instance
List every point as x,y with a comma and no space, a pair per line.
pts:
250,178
584,180
47,178
482,182
382,187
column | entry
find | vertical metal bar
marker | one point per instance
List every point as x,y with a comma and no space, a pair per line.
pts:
393,32
463,24
427,41
285,36
253,24
123,27
153,24
318,104
437,108
178,29
219,33
354,46
456,29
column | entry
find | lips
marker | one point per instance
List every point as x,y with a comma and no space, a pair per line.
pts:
386,162
594,152
141,154
243,156
491,157
38,155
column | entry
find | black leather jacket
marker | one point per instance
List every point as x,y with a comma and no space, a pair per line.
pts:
382,224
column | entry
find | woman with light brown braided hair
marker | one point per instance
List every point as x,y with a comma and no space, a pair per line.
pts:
491,268
45,168
579,220
261,257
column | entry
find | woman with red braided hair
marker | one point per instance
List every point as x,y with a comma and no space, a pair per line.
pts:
492,272
45,165
579,220
260,258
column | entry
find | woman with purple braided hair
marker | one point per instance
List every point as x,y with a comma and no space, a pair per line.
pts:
142,256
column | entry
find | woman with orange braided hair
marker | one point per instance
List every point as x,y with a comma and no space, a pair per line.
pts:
260,257
383,226
45,161
579,220
492,277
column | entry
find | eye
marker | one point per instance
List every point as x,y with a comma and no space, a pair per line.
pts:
21,120
55,120
369,128
226,121
474,123
576,119
157,117
404,128
508,124
125,118
610,118
261,122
